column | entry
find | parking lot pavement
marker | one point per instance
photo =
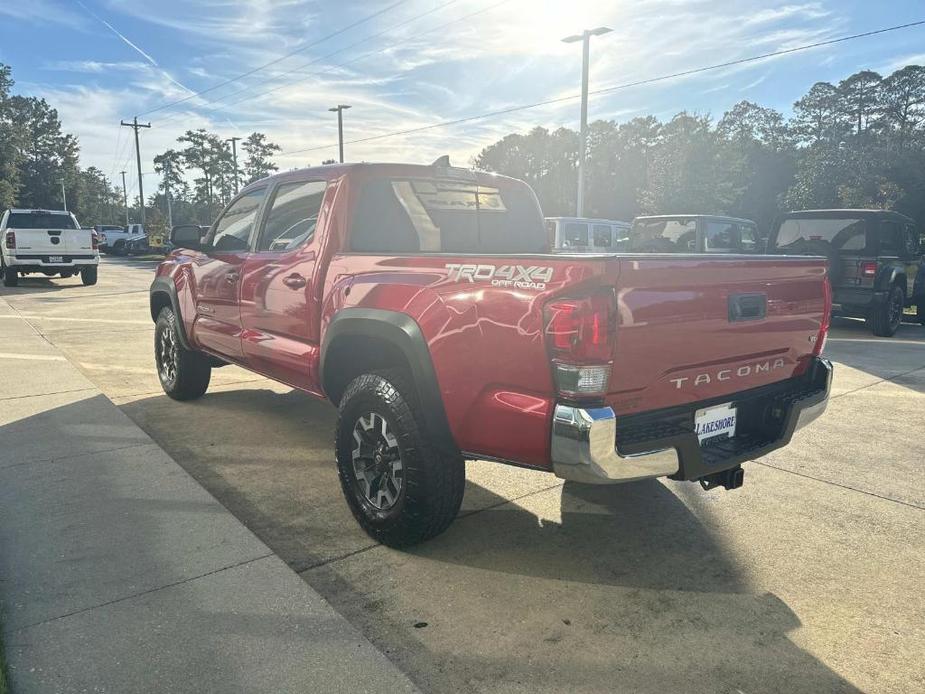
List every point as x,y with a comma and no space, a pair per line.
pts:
807,579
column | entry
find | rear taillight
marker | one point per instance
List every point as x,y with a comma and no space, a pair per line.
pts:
10,239
579,337
95,240
826,318
869,269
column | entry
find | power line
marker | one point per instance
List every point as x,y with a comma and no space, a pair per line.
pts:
363,55
341,50
607,90
277,60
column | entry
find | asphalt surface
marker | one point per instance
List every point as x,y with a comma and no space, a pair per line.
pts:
808,579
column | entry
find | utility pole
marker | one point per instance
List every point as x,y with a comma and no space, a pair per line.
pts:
63,195
585,38
340,108
141,189
234,155
125,199
167,192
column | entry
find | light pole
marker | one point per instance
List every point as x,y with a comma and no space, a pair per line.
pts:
234,155
63,195
125,199
340,108
585,38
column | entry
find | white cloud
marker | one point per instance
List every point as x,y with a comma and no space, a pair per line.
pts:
94,66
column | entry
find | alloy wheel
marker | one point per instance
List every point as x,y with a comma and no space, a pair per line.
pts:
377,462
167,355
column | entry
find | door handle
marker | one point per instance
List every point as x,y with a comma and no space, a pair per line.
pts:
294,281
231,277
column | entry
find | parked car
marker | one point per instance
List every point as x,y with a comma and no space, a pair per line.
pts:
47,242
584,235
874,257
424,302
693,233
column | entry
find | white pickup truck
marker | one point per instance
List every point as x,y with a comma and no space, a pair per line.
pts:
49,242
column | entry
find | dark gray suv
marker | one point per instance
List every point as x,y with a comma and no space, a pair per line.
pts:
875,261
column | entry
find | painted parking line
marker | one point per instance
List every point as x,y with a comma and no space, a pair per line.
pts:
31,357
114,321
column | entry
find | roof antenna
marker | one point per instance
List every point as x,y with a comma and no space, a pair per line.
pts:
443,161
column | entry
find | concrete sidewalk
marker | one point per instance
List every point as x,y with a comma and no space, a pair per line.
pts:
119,573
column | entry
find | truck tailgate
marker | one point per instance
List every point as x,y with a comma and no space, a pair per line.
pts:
54,241
694,328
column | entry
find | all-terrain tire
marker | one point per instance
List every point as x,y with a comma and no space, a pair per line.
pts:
184,374
432,483
884,320
87,275
10,277
119,248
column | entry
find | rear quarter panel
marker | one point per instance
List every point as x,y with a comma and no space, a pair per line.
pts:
485,340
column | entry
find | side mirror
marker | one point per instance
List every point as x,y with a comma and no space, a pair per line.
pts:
187,236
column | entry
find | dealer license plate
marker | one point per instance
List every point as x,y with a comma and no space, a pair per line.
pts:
717,422
56,259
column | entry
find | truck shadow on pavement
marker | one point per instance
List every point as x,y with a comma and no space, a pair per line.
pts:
569,588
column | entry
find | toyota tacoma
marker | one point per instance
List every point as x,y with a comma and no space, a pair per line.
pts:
425,303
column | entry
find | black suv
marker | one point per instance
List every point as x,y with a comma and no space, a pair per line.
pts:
875,261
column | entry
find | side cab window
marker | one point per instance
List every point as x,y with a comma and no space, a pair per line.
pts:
292,216
891,239
232,232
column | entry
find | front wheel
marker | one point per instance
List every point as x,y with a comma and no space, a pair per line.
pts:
87,275
884,319
183,373
399,488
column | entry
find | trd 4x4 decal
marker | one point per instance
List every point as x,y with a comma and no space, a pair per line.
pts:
531,277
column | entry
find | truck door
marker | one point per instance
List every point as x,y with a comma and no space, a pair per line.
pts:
217,273
279,312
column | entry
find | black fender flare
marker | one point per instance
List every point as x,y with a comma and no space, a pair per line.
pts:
403,332
164,286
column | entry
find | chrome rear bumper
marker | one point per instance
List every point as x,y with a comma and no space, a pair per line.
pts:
584,441
584,450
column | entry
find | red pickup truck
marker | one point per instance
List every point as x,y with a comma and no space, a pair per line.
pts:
424,302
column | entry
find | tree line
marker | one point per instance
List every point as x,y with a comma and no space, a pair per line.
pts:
37,157
858,143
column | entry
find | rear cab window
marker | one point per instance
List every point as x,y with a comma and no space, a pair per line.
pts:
808,235
41,220
663,236
419,214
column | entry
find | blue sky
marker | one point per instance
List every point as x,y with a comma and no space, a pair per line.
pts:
416,62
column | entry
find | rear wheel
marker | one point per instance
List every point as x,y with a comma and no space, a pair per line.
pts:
884,320
183,373
88,275
399,488
10,277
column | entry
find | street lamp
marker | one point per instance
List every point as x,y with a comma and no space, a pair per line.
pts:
585,38
63,195
340,108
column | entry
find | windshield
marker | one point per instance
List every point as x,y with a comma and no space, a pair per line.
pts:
663,236
446,215
801,235
40,220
